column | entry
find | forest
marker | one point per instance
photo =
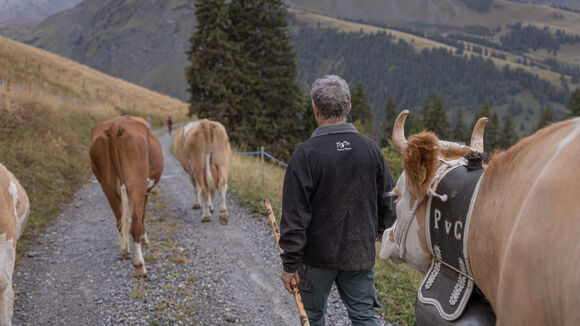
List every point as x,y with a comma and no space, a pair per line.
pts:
389,68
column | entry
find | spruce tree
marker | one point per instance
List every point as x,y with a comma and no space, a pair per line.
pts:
459,132
261,30
437,120
213,69
574,104
360,113
546,119
389,122
426,114
508,135
491,137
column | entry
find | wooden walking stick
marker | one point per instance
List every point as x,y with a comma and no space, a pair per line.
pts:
296,293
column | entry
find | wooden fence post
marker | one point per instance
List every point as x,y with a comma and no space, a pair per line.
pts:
262,163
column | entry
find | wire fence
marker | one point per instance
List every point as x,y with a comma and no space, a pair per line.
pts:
265,154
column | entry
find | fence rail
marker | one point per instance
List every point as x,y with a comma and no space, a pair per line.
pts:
265,154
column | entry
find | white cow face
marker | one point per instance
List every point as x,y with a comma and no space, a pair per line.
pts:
415,255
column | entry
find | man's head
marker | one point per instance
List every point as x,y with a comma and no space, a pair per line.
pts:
331,99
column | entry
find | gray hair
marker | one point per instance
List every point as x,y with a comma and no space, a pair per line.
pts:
331,96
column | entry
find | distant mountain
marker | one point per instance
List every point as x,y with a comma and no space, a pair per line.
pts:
31,12
140,41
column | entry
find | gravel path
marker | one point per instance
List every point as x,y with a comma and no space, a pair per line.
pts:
199,273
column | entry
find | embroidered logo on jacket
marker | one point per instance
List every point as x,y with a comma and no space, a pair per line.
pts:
343,146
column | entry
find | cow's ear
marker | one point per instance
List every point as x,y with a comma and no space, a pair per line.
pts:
420,160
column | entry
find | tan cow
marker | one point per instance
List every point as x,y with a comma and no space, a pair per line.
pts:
523,238
14,210
127,160
203,149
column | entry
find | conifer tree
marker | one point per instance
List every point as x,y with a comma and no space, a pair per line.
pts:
574,104
426,114
389,122
261,30
491,137
508,135
546,119
437,120
213,69
459,132
360,113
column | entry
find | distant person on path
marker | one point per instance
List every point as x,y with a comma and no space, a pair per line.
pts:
333,208
169,124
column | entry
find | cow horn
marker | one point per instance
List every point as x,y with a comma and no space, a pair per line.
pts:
399,139
477,135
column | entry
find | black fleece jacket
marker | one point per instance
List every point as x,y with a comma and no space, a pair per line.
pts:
334,201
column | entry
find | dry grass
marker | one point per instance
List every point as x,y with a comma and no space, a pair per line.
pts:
246,182
40,70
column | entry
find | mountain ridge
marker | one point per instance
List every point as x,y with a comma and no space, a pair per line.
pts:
31,12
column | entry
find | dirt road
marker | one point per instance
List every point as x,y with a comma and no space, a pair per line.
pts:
199,273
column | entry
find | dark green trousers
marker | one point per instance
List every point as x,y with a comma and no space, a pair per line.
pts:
356,289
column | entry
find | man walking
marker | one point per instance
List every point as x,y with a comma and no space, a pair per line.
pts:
334,204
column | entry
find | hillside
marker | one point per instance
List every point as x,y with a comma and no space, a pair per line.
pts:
31,12
48,105
442,15
142,42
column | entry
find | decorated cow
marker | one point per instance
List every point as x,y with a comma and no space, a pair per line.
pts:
508,230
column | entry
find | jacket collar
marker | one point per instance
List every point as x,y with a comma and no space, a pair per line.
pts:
337,128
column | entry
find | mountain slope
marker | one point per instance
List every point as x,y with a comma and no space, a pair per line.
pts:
31,12
32,71
142,42
441,15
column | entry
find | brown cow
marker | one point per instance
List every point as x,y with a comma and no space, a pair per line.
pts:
14,209
127,160
203,149
522,239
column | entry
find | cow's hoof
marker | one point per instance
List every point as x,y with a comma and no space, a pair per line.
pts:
224,218
145,239
196,206
140,271
125,254
211,209
206,219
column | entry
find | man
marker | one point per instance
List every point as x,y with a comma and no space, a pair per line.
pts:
334,204
169,124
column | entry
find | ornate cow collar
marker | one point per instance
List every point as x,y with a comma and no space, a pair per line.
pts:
448,283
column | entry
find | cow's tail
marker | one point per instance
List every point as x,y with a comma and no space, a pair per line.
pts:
125,217
208,159
114,132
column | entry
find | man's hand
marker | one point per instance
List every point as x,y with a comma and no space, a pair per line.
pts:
287,278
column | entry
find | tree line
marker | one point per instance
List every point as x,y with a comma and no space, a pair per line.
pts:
499,134
389,67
